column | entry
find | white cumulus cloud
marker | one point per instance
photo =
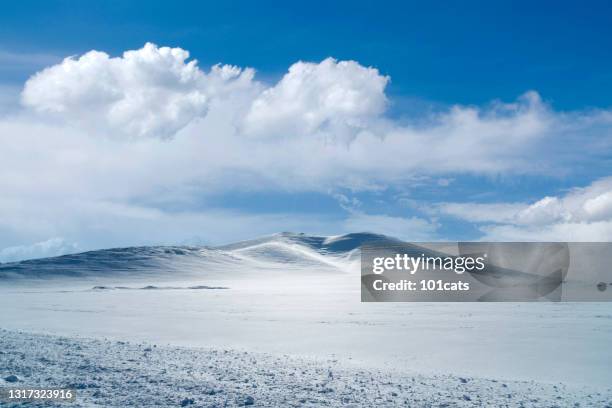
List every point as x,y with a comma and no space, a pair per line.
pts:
153,91
339,96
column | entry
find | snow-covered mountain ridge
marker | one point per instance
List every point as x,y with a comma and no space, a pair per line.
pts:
279,251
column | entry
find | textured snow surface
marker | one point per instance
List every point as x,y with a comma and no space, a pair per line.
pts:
287,310
120,374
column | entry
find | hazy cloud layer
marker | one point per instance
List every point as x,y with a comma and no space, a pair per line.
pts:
106,146
45,249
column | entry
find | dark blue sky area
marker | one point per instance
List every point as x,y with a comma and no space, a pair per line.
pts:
453,52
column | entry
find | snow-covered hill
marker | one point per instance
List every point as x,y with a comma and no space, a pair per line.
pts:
284,251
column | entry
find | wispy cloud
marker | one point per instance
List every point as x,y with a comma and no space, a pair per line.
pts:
583,214
20,61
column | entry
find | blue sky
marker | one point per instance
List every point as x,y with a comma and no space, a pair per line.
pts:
497,116
462,52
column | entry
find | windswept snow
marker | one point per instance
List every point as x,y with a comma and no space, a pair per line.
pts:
248,259
286,295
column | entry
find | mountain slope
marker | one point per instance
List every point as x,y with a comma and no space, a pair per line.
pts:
285,251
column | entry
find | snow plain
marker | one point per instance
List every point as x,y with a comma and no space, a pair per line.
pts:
282,305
